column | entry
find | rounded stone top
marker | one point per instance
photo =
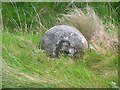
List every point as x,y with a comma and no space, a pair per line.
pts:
63,38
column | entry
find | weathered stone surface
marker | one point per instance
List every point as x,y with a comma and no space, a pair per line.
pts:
63,38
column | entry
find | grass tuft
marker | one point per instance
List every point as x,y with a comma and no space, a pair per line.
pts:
89,24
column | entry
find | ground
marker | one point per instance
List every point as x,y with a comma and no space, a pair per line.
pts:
26,66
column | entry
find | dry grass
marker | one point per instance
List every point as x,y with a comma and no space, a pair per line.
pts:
92,28
104,42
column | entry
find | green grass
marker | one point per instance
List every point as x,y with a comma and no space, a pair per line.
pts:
25,66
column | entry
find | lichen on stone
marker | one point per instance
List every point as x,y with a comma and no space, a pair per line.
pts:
63,39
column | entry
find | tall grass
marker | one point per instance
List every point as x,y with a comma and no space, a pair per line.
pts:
89,24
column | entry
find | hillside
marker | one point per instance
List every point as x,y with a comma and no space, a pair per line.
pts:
24,65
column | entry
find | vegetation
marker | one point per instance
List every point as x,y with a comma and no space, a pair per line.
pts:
26,66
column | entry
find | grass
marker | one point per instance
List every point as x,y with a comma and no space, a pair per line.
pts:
103,37
25,66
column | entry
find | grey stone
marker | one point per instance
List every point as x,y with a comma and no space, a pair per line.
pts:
63,39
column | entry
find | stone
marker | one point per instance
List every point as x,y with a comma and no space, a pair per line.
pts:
63,39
